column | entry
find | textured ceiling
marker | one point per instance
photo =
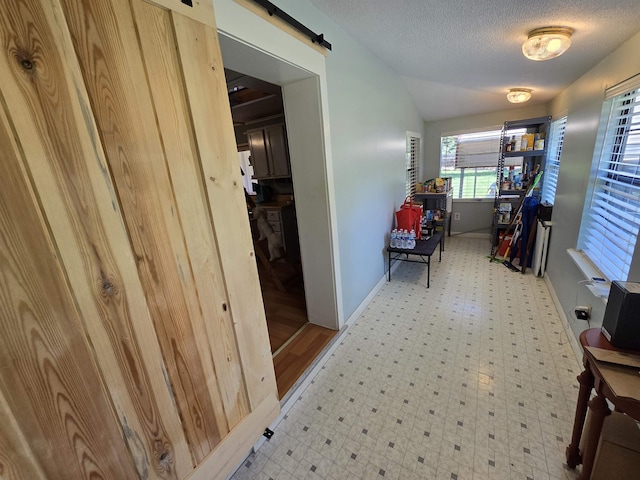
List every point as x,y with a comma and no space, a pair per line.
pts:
460,57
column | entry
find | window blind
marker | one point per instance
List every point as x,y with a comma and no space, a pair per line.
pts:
481,149
610,225
413,145
478,149
552,168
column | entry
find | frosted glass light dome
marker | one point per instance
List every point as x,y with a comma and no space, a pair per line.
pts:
519,95
547,42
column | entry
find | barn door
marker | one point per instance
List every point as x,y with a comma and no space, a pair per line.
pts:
133,342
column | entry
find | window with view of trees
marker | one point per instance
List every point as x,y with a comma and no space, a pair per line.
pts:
467,182
471,160
611,218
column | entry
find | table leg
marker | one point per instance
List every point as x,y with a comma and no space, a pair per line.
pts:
428,269
573,450
389,255
599,410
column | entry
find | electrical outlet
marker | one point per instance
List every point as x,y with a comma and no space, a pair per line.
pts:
456,216
583,312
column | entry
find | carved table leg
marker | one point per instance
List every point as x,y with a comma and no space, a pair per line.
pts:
573,450
599,410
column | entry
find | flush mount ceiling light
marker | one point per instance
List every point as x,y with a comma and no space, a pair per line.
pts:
519,95
547,42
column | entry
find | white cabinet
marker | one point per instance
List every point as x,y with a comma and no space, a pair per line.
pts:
283,221
275,220
269,152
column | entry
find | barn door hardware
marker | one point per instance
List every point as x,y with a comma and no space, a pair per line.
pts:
273,10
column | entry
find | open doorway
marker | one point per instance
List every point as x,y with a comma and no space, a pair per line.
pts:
263,155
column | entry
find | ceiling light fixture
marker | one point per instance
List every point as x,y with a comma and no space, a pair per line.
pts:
547,42
519,95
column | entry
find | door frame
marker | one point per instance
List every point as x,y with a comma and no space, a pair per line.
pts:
304,89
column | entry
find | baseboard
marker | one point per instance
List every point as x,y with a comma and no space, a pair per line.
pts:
577,350
472,235
358,311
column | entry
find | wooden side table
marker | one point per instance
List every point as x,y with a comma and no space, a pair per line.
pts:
590,378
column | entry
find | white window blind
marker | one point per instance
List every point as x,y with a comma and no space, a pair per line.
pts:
481,149
611,222
552,168
478,149
413,146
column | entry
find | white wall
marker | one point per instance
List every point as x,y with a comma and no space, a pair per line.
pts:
366,112
370,112
583,102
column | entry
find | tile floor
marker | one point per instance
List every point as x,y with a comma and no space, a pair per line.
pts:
473,378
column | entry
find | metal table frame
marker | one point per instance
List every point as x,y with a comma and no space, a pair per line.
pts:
424,248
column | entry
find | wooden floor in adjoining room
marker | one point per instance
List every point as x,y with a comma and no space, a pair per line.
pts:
295,342
292,361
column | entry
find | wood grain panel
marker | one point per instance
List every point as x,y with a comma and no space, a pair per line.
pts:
106,42
229,453
44,94
132,321
211,117
200,10
17,461
49,386
217,342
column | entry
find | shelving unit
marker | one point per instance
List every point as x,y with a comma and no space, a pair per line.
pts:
440,202
516,169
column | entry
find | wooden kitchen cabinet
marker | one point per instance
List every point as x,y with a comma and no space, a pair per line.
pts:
269,152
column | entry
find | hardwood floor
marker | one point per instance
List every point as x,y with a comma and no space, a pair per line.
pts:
286,311
291,362
286,314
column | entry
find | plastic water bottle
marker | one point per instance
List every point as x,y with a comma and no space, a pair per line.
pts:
405,239
394,239
412,239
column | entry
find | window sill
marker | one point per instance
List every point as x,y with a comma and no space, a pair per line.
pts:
591,272
473,200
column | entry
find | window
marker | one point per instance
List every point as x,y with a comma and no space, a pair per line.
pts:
247,171
471,160
611,218
552,168
413,151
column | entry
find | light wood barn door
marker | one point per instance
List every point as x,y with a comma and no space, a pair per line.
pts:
133,342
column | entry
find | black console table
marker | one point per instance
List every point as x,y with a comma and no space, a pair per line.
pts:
424,249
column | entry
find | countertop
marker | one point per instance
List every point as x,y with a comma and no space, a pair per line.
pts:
279,202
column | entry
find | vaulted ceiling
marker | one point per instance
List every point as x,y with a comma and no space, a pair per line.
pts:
460,57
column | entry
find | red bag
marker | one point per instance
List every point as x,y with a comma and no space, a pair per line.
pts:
409,216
